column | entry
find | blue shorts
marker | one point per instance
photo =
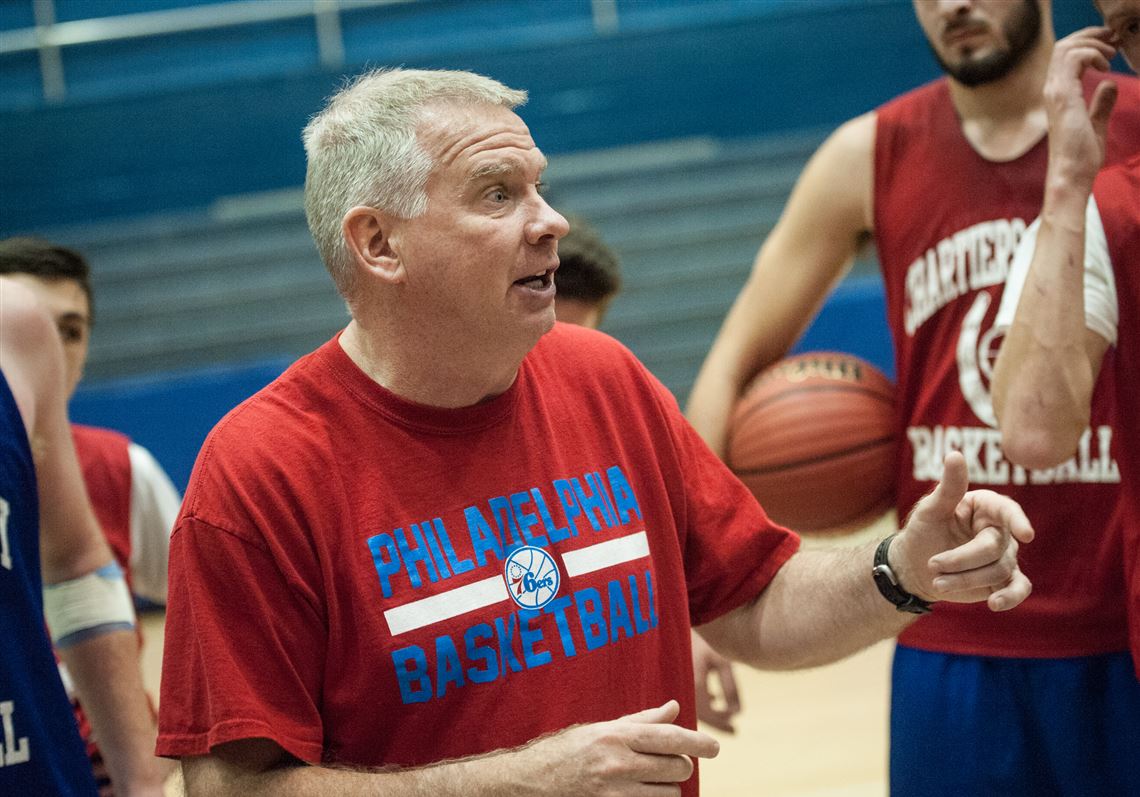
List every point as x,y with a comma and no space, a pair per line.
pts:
966,726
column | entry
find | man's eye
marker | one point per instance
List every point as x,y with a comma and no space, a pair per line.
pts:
497,195
540,187
71,334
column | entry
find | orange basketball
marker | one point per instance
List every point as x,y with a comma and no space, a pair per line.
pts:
813,438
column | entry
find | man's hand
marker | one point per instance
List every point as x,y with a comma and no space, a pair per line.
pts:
1076,131
638,755
715,706
962,546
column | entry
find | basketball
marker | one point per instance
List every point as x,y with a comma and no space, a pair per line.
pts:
813,439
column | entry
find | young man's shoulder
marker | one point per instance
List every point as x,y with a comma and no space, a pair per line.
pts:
932,93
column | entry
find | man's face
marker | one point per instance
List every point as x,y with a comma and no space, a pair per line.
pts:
979,41
71,311
480,261
1123,16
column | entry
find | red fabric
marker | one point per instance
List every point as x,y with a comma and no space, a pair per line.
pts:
106,464
946,225
276,621
1117,193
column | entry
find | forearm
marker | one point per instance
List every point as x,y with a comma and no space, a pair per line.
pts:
808,251
258,768
105,670
620,756
481,777
1043,379
714,393
821,606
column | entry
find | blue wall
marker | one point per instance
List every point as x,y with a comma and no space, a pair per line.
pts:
677,69
174,122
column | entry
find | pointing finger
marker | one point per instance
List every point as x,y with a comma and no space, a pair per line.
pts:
952,487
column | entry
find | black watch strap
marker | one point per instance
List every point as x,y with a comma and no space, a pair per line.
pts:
888,583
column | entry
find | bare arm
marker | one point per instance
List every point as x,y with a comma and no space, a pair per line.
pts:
641,754
105,668
820,232
823,604
1047,368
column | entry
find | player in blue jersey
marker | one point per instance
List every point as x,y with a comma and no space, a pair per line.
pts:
54,564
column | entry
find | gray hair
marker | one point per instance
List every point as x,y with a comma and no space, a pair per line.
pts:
362,150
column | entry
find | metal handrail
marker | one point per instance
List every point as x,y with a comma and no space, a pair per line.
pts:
176,20
48,37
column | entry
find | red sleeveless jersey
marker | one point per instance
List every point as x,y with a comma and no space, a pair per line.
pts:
947,222
105,460
1117,193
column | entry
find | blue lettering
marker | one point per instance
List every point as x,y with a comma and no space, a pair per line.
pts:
482,538
413,556
641,624
457,565
556,534
425,532
506,649
477,652
569,503
595,482
619,613
623,494
527,520
591,614
415,687
385,568
448,668
558,608
504,520
590,504
530,637
652,604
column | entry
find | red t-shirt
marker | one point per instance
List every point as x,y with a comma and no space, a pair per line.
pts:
1117,193
369,581
946,223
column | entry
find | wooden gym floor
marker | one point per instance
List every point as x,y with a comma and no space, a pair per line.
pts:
813,733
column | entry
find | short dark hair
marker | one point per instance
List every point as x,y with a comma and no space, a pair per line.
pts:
46,260
588,270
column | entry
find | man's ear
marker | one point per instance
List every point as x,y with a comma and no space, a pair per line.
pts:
366,234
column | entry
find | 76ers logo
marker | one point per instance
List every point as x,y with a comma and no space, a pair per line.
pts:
532,577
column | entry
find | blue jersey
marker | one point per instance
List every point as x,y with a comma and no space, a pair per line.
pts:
40,749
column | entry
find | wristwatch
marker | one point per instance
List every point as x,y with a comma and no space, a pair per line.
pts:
888,583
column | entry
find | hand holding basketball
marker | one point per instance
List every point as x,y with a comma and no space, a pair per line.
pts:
637,754
962,546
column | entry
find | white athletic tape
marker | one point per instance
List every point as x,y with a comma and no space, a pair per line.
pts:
88,606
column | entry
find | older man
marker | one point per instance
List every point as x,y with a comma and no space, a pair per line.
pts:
457,549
